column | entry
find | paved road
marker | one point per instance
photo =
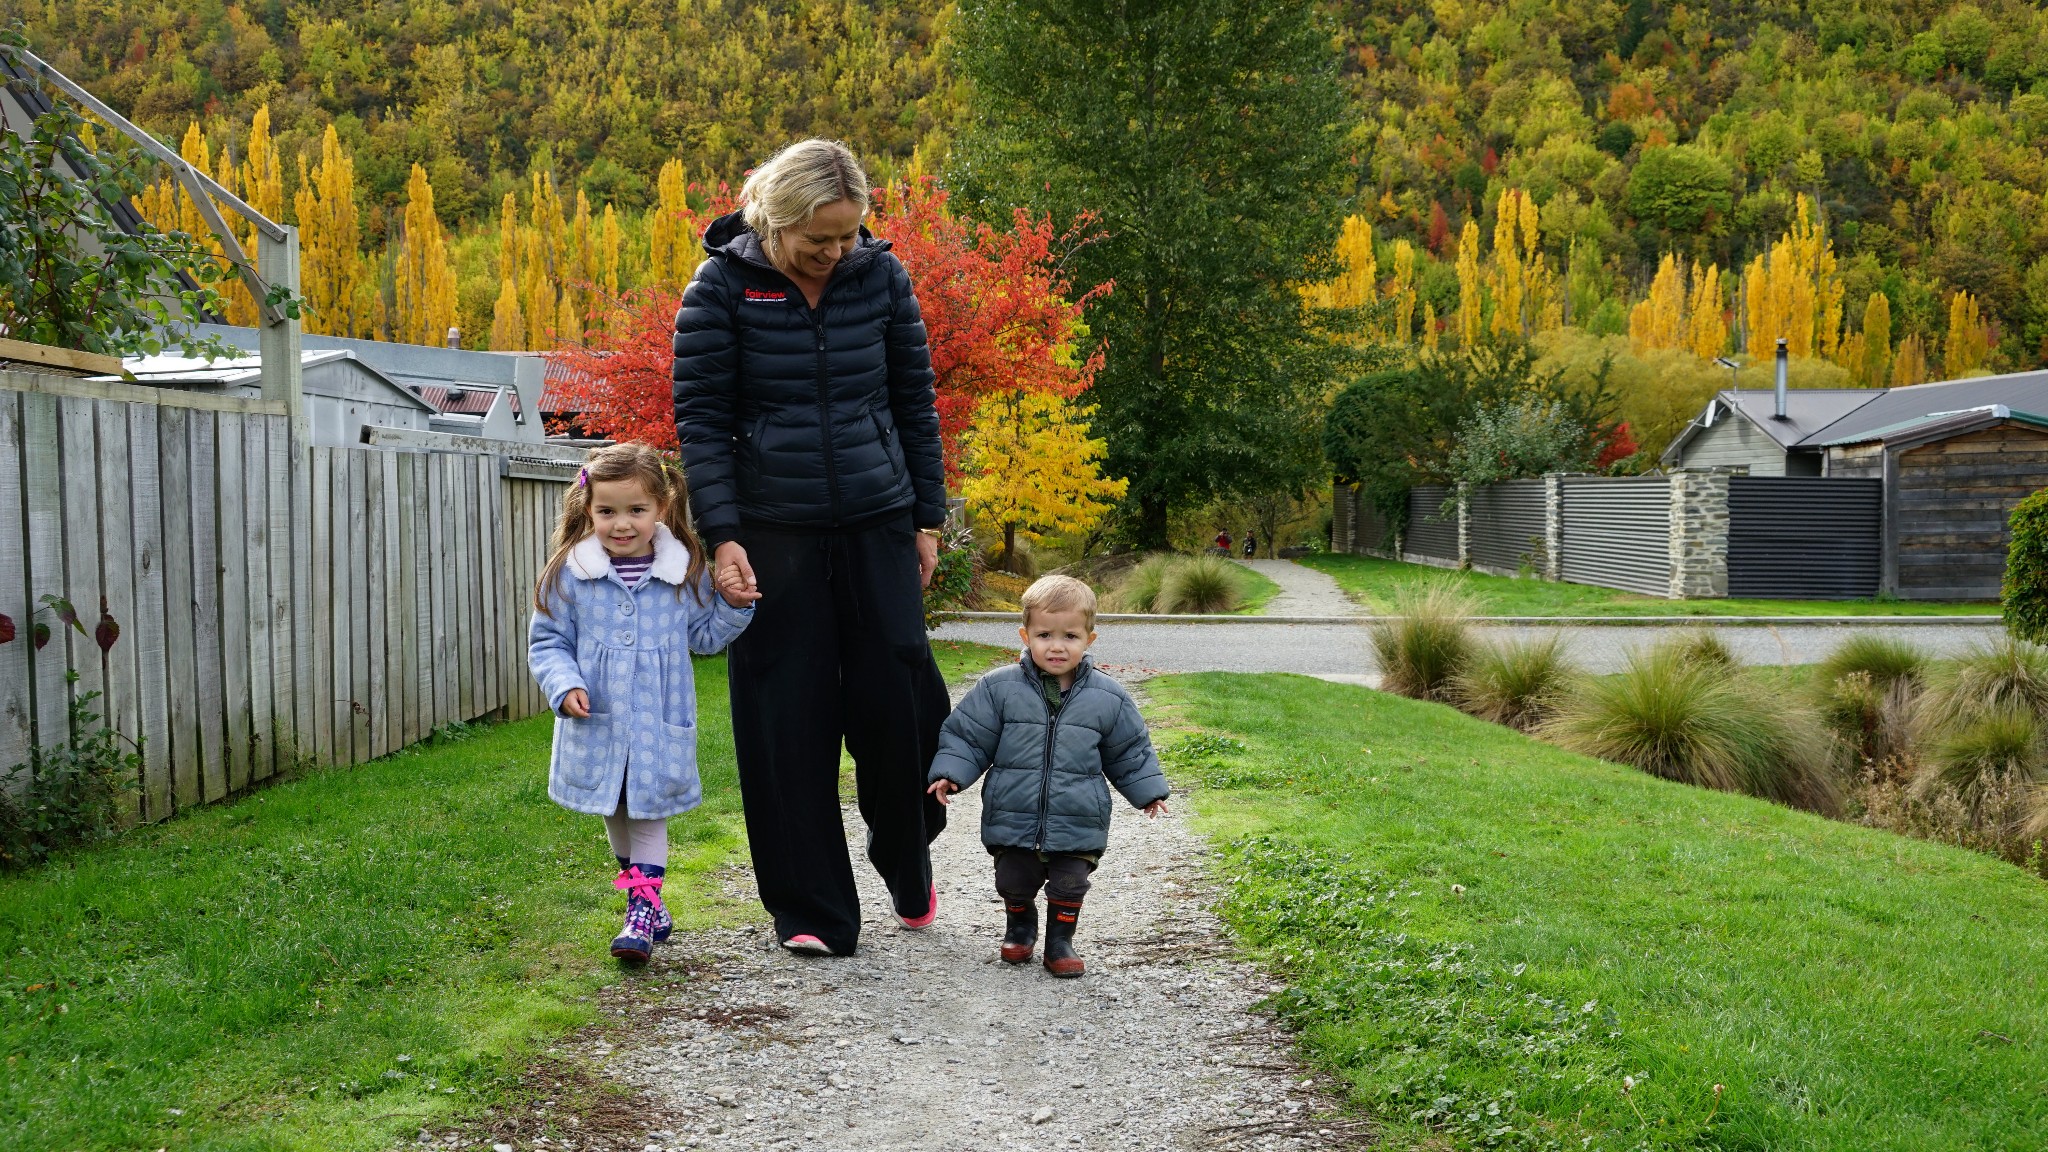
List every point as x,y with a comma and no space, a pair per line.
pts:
1303,591
1340,651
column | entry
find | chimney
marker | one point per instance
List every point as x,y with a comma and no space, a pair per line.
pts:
455,338
1783,360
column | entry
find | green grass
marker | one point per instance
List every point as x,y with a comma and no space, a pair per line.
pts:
263,966
1374,583
1855,991
1259,591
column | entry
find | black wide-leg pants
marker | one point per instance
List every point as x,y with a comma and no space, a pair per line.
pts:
837,651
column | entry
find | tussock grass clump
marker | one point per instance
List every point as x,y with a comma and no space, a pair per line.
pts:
1870,719
1992,753
1427,642
1201,584
1139,591
1163,583
2002,676
1519,683
1882,660
1689,721
1704,648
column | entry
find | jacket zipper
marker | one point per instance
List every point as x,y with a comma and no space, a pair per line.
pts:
825,416
1052,731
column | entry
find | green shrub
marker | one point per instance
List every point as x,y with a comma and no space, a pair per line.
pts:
69,793
1200,584
2025,591
1427,642
1139,591
1882,659
1689,721
1519,683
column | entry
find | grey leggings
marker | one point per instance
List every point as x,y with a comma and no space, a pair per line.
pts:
1020,873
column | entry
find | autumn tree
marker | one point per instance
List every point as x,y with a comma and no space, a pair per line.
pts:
1471,299
1968,346
1877,341
1793,291
1658,319
673,254
1032,468
332,274
424,283
1209,135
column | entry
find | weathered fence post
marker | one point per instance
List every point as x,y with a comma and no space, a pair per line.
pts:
1464,525
1553,525
1699,535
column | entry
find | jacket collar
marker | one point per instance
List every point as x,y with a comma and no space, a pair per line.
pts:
730,236
1032,669
589,561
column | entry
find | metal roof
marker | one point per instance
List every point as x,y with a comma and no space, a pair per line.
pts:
1826,417
1898,408
1808,411
349,377
1938,423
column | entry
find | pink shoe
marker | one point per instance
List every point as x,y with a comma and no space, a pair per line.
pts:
931,913
809,945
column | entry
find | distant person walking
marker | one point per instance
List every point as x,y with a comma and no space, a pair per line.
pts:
1251,545
805,410
1223,542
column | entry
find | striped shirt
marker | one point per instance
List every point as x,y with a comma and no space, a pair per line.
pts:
632,569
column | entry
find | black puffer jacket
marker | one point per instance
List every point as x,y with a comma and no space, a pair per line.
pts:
789,417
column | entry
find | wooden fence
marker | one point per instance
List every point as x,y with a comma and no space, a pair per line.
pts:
275,606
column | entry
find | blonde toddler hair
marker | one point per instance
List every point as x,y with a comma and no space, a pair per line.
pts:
1059,594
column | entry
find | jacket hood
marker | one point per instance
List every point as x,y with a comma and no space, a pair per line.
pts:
589,561
731,236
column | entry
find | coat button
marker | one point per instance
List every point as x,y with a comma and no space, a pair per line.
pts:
625,609
626,639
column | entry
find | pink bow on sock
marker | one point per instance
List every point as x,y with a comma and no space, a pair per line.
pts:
637,883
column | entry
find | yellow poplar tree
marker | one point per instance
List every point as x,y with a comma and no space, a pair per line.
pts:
1792,291
1470,301
1034,469
508,316
1507,276
1968,346
1402,292
672,251
1909,366
331,267
1706,327
424,289
1877,340
263,187
1429,332
536,292
1658,319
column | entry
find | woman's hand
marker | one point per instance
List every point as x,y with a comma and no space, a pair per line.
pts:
943,789
576,703
927,557
733,576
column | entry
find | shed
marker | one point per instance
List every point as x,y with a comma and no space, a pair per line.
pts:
1740,429
1951,481
342,393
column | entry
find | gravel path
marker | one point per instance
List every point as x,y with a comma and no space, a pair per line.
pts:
1303,591
1341,651
926,1042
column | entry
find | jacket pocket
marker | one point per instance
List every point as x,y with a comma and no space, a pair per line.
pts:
885,434
584,747
748,454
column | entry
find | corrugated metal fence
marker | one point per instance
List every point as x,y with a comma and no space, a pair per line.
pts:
1617,533
1432,531
270,610
1505,525
1804,538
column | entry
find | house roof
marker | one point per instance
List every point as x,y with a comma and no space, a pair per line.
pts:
1826,417
346,376
1936,425
1897,408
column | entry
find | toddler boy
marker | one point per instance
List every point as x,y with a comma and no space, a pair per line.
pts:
1053,734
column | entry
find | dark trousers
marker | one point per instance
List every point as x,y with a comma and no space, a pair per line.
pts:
837,651
1020,873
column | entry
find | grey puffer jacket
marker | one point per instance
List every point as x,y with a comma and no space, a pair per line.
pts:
1049,776
816,419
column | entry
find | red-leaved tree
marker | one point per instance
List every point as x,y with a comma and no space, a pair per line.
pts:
998,310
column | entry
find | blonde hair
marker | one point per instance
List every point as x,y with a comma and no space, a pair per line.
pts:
663,480
1058,594
796,182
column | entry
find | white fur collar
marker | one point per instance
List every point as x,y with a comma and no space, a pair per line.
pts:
589,561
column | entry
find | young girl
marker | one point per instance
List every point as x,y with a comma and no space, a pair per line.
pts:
624,600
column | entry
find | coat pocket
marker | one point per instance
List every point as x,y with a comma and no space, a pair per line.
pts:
677,758
584,749
885,434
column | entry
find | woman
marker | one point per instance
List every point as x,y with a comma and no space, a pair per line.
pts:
804,404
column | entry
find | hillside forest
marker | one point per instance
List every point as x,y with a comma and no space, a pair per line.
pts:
1631,189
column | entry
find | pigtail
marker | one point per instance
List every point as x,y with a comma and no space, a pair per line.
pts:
677,517
570,529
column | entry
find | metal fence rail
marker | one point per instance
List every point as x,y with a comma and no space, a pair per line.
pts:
1804,538
1506,525
1617,533
1432,530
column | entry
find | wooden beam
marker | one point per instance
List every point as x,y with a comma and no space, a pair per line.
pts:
421,440
135,394
23,352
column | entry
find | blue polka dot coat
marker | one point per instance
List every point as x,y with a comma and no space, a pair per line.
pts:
629,650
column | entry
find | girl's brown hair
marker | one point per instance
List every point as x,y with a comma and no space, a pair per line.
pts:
663,480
